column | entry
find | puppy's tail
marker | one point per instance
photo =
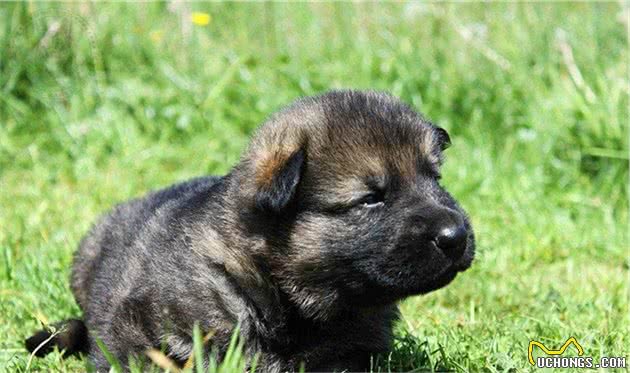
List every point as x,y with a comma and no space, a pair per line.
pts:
70,336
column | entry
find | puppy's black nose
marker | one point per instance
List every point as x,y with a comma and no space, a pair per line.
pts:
452,240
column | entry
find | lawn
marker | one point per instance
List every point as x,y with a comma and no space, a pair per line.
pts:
103,102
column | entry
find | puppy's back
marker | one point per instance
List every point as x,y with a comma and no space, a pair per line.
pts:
117,230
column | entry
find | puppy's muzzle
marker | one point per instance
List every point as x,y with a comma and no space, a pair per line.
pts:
451,239
447,230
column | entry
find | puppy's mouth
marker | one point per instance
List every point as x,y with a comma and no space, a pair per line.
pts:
462,263
447,274
441,279
407,273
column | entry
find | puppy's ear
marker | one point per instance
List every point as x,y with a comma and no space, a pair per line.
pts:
444,140
277,179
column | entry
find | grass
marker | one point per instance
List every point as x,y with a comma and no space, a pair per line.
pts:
102,102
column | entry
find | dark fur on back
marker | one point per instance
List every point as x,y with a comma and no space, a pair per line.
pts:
333,215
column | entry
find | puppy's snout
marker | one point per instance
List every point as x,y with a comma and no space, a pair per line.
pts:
451,239
444,227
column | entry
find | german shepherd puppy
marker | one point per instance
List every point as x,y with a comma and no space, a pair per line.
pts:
334,213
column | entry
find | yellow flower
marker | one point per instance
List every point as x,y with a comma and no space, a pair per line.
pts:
156,35
200,18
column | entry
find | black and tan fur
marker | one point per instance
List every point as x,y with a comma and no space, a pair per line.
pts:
333,214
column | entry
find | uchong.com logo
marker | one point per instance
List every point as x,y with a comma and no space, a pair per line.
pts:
556,360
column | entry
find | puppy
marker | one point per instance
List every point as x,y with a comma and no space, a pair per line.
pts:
334,213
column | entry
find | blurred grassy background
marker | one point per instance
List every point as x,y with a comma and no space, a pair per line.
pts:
102,102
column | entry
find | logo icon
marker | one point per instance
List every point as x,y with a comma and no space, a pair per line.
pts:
560,351
580,361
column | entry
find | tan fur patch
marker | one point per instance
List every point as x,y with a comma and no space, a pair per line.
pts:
208,243
267,168
427,142
277,140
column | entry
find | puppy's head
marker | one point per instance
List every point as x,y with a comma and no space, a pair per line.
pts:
345,188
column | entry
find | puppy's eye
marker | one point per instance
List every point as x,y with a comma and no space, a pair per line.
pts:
372,200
